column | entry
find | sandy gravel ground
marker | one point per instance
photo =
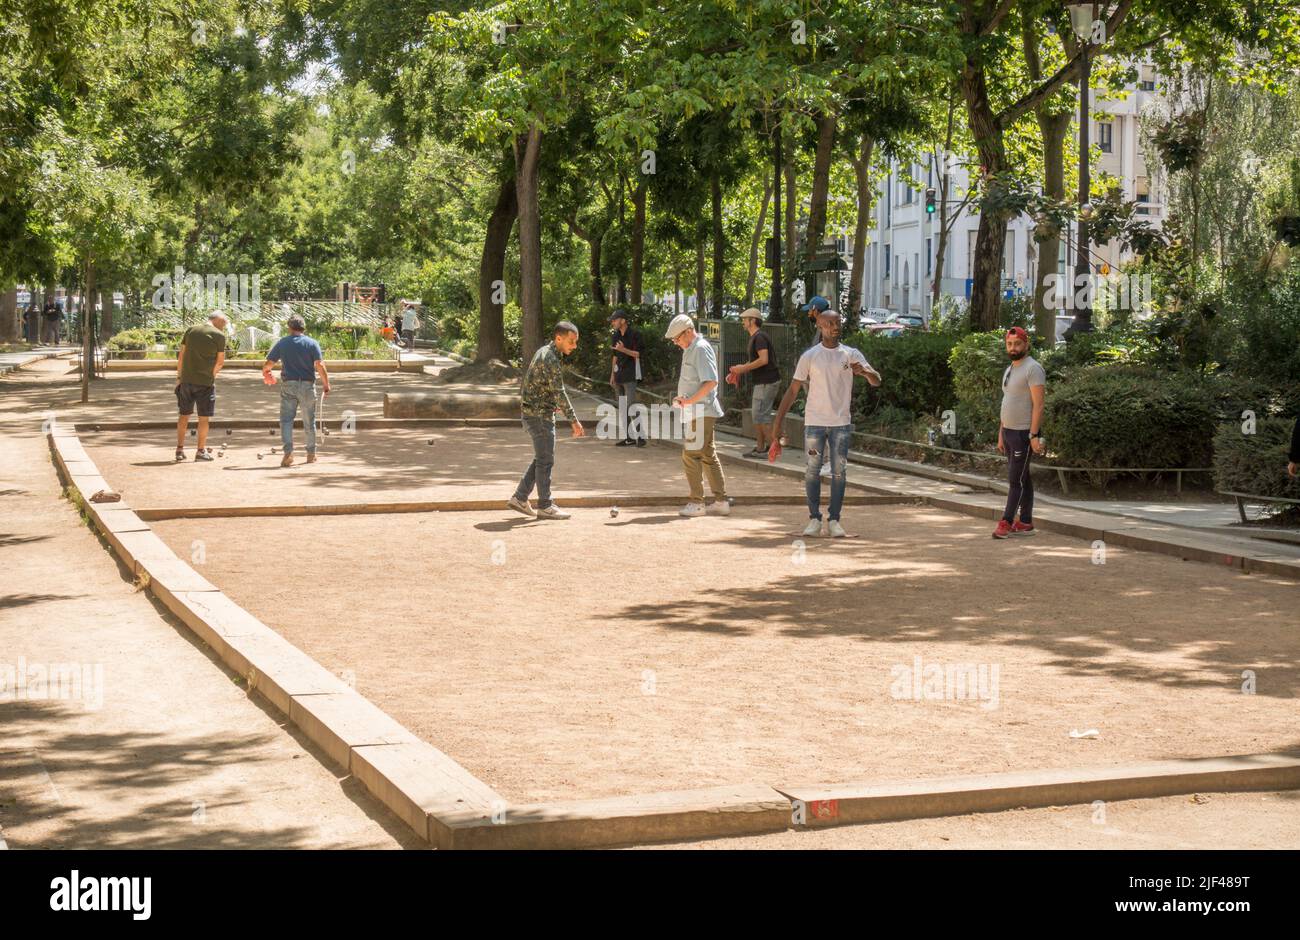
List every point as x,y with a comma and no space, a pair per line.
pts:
161,748
603,656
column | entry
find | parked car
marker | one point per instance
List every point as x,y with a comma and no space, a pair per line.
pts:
914,320
879,315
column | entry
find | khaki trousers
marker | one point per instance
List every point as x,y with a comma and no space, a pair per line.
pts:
703,460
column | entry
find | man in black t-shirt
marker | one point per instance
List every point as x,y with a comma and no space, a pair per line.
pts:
624,374
767,380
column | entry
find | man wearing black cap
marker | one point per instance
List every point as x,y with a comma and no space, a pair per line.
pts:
624,373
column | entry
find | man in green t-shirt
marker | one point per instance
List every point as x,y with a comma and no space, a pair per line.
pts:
200,358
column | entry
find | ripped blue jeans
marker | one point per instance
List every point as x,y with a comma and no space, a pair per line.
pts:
816,439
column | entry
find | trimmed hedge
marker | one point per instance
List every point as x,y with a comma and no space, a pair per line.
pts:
916,376
977,362
140,338
660,359
1255,463
1131,416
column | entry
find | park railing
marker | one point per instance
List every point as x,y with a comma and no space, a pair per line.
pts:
328,313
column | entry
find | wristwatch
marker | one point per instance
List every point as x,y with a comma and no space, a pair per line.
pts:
1038,435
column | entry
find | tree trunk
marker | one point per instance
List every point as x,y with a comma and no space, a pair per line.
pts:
821,182
9,315
719,250
866,196
87,335
106,317
492,272
752,278
699,279
986,289
945,187
527,151
593,268
638,239
791,271
1054,128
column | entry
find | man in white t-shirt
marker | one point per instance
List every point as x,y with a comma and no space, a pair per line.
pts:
410,323
828,370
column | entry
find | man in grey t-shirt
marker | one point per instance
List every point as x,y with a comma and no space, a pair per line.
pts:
1020,436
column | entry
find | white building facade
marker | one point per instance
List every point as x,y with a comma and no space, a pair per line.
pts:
901,255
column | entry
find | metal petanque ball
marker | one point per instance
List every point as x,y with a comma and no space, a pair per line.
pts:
613,512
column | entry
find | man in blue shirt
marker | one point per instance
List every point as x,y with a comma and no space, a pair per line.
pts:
300,359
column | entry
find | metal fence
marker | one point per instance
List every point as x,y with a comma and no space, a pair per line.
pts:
731,344
320,312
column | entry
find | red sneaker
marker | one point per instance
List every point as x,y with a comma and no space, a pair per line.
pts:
1022,528
1003,530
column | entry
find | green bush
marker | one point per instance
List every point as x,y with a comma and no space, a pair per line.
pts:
1255,463
1130,416
660,359
914,368
977,362
1129,341
140,338
1266,317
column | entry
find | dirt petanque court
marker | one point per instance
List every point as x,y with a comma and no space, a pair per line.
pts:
628,651
623,654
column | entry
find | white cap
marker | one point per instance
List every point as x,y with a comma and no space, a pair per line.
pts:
681,323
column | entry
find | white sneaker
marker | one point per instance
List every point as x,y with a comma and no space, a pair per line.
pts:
813,528
521,505
692,509
720,507
552,512
836,530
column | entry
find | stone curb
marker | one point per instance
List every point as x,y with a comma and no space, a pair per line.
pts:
475,505
818,806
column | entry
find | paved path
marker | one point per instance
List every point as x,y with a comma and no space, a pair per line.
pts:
161,748
1218,518
16,360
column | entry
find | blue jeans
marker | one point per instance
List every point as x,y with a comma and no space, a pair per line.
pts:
816,438
542,431
292,394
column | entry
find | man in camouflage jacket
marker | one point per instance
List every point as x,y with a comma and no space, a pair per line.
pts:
541,395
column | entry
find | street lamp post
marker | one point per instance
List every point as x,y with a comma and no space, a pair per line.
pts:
1082,19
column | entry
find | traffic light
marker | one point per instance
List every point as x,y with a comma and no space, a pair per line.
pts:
929,202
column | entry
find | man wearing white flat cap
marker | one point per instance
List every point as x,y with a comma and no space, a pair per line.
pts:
697,396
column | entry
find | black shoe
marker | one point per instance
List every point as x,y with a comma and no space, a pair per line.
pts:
641,442
627,443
